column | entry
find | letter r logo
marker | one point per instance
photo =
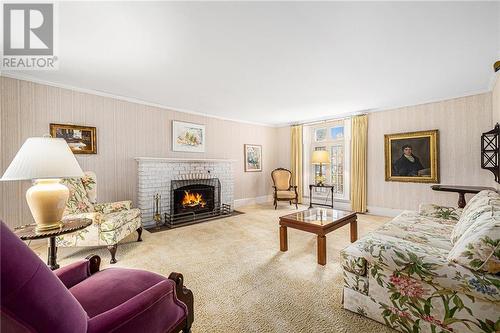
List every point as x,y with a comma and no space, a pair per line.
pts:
28,29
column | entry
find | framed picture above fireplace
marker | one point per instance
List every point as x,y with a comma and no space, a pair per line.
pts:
253,158
188,137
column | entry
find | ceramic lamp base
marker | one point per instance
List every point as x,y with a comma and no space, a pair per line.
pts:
47,199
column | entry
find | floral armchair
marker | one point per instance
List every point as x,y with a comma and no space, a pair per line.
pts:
112,222
435,270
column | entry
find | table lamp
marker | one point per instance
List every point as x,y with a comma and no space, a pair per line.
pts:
45,160
320,157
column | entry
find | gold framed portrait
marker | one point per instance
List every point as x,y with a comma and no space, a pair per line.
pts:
81,139
412,157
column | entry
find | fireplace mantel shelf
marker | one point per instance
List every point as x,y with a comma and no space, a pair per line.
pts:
181,159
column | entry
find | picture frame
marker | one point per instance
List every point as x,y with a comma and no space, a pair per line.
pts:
188,137
412,157
253,158
81,139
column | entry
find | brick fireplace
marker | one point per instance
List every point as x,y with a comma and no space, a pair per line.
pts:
186,187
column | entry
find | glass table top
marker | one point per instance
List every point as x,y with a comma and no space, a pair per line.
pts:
318,216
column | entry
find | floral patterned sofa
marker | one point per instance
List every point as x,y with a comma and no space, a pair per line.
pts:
112,222
436,270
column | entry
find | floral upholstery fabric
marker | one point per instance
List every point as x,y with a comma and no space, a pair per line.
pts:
78,201
440,212
401,275
477,205
115,220
113,207
479,247
111,221
425,230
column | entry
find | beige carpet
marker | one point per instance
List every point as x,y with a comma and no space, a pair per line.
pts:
241,281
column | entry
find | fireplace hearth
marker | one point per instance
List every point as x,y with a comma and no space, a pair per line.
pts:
194,200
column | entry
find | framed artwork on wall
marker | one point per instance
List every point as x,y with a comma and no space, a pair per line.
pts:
188,137
253,158
412,157
81,139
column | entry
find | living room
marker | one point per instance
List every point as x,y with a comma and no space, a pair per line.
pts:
250,166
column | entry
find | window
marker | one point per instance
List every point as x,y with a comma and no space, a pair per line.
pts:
334,137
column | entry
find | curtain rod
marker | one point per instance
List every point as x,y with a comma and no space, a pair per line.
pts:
315,122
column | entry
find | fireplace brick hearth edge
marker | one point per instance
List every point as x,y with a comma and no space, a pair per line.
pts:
154,175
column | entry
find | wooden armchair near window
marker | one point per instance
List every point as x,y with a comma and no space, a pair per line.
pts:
283,188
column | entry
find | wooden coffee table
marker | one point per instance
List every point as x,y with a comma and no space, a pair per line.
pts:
319,221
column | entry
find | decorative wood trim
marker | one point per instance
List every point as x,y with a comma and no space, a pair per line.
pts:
185,296
94,263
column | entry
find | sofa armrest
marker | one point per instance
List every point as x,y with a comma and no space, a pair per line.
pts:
154,309
441,212
113,207
425,263
76,272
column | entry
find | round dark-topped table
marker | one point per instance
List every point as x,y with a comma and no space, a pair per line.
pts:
29,232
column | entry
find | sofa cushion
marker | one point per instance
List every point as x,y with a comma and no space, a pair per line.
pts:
479,247
416,228
113,221
480,204
440,212
78,201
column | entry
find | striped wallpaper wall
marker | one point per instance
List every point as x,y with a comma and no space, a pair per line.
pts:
125,130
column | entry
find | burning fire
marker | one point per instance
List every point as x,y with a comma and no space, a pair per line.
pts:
193,200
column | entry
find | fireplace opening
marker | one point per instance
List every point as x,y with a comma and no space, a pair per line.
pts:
194,198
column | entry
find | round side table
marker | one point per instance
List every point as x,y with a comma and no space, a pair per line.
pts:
28,232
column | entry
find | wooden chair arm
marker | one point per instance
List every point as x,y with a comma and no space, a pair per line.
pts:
94,263
184,295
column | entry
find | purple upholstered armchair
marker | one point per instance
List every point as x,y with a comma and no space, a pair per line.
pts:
80,298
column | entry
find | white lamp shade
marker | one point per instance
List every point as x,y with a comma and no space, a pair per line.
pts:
320,156
43,158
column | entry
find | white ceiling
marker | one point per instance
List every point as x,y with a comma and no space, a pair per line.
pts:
278,62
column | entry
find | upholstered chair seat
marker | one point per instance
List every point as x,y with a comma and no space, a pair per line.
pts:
112,221
285,194
283,188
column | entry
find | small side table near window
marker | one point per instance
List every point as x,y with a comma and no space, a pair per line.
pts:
311,203
28,232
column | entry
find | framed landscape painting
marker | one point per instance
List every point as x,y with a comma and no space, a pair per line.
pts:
188,137
253,158
81,139
412,157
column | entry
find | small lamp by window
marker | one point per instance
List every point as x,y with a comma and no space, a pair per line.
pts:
320,157
45,161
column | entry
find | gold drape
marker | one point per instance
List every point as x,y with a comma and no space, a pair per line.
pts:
296,162
359,149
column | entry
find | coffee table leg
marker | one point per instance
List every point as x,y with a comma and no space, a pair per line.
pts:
52,254
354,231
321,250
283,239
